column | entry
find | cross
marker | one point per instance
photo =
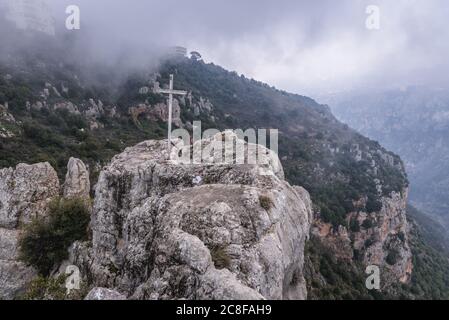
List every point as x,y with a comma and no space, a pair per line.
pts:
170,93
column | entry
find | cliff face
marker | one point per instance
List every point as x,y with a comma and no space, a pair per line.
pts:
163,230
379,238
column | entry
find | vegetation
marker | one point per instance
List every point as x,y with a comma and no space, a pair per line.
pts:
354,225
367,224
392,257
266,202
433,233
430,277
332,278
45,241
42,288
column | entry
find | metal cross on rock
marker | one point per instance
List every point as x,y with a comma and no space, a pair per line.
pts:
170,93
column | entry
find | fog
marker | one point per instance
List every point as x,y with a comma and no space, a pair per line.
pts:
308,47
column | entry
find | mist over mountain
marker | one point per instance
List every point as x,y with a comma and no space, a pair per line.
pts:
300,46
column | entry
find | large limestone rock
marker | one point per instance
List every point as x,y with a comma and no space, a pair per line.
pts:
167,230
5,115
77,183
25,193
389,237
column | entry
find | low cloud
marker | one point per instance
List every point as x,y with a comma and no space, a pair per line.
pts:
301,46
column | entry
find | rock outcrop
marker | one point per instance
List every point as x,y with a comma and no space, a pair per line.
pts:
203,106
77,183
157,112
166,230
7,122
24,194
389,239
67,106
5,115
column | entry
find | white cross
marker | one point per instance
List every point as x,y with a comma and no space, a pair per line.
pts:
170,93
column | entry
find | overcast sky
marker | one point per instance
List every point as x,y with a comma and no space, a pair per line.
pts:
302,46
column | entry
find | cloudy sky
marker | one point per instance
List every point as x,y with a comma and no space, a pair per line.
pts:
302,46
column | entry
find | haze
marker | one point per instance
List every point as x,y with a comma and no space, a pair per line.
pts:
306,47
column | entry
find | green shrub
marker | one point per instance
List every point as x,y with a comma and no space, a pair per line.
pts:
41,135
330,277
369,242
354,225
266,202
45,241
392,257
367,224
373,205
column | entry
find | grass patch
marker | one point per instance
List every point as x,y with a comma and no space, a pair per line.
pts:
42,288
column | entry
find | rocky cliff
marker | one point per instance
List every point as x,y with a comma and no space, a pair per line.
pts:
165,230
25,193
378,238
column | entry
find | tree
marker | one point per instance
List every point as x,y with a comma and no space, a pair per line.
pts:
195,55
